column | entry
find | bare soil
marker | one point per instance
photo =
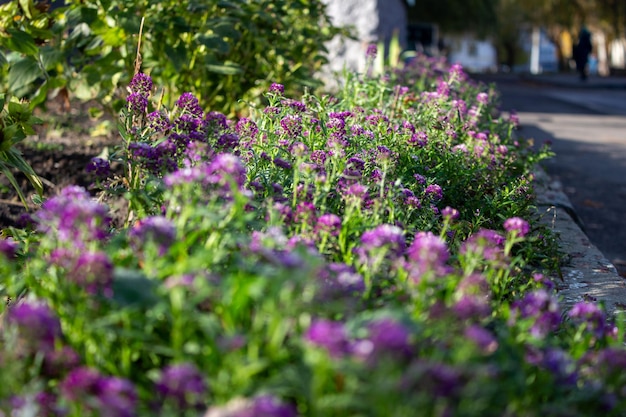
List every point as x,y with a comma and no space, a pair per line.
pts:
59,154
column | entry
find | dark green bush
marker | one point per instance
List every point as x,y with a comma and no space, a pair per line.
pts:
225,52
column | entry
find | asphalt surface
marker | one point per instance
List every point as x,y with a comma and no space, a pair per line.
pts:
586,126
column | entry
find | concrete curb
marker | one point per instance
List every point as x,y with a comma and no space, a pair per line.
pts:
586,273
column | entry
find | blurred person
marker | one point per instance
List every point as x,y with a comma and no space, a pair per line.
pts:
582,49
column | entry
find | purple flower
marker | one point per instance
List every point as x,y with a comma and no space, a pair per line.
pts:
328,223
542,309
80,383
385,235
485,242
137,103
590,315
483,338
226,167
100,167
158,121
228,141
471,307
8,247
189,104
117,397
215,122
517,225
268,406
247,128
281,163
371,52
428,252
329,335
434,191
388,335
419,138
37,325
450,213
58,362
261,406
338,280
277,88
420,179
157,229
141,84
72,216
482,98
93,271
109,396
183,384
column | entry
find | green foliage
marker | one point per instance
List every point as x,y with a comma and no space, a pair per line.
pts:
225,52
16,122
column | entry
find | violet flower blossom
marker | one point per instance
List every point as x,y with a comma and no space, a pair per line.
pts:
189,104
428,252
277,88
330,335
517,225
93,271
183,384
38,327
158,229
73,217
109,396
540,307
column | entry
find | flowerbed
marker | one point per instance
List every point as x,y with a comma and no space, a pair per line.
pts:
368,254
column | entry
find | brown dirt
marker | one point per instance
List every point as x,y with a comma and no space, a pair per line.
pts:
66,142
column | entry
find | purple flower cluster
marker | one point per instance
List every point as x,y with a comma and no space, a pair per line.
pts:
486,243
591,316
156,159
93,271
339,281
8,247
110,396
385,336
427,253
190,105
73,217
156,229
383,242
276,88
222,171
141,84
184,385
541,309
140,88
38,327
517,225
100,167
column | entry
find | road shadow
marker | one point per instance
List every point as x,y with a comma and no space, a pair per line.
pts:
593,177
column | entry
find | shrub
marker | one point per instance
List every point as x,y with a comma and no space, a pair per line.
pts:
224,52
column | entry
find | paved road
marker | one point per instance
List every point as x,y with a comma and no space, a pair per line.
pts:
587,129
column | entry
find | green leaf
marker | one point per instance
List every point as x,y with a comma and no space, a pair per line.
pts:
133,288
22,42
214,43
3,59
50,57
25,5
7,172
226,69
14,157
23,73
